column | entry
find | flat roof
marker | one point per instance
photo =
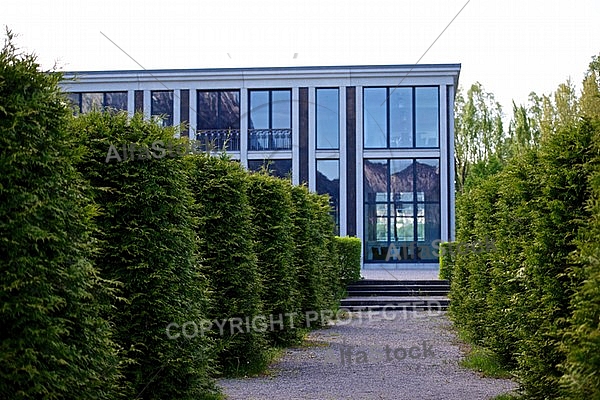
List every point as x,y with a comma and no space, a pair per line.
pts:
408,67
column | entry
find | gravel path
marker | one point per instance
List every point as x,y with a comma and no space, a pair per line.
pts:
391,355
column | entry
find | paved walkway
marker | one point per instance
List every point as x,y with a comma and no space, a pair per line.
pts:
393,355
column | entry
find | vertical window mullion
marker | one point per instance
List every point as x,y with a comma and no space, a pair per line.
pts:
389,202
387,117
414,115
415,210
270,132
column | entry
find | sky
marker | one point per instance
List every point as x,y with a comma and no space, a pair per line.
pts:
512,47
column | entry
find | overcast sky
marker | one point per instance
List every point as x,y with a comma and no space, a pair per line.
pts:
511,46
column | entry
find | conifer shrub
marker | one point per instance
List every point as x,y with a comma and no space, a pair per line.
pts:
224,229
348,250
271,219
54,342
148,244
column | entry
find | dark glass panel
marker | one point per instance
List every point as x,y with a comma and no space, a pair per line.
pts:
328,118
375,117
427,116
401,117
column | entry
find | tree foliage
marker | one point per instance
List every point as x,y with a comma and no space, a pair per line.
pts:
54,342
533,300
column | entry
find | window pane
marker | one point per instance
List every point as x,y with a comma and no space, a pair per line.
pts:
328,181
74,100
327,111
401,180
91,101
162,106
376,180
218,110
401,117
208,103
375,121
282,102
428,179
116,100
279,168
259,111
229,110
403,224
429,231
427,116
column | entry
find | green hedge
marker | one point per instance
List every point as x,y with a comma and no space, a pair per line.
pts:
54,341
447,260
349,250
271,217
148,244
225,233
518,299
309,253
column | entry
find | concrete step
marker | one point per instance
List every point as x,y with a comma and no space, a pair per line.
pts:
374,295
409,303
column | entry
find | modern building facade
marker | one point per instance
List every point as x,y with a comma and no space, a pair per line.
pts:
378,139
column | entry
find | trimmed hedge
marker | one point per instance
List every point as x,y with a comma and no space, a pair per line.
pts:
518,300
582,338
313,238
148,244
271,202
447,260
225,234
349,250
54,342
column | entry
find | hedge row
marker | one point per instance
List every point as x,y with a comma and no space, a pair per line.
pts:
534,299
54,339
131,272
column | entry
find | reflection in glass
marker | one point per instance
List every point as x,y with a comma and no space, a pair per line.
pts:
91,101
115,100
375,121
428,179
328,182
401,117
219,118
278,168
402,209
282,109
327,118
162,106
427,116
259,110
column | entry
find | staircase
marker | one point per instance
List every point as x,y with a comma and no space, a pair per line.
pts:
377,295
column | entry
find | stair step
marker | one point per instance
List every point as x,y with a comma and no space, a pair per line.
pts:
396,293
374,295
405,307
401,282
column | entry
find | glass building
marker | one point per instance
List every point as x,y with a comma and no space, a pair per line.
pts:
378,139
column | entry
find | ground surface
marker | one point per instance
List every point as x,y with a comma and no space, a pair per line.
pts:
391,355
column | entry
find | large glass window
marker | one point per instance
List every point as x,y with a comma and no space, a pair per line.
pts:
162,106
279,168
402,210
219,118
375,117
401,117
270,120
86,102
328,118
427,116
328,181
